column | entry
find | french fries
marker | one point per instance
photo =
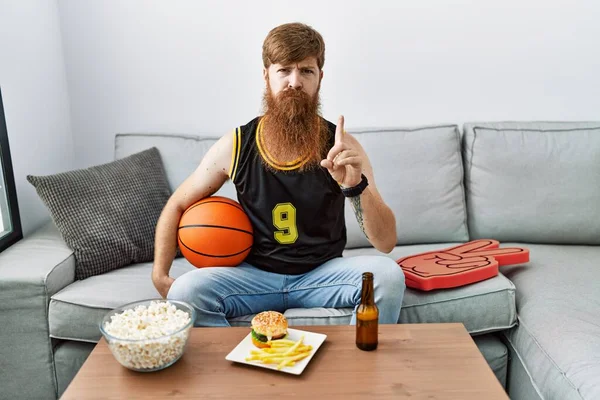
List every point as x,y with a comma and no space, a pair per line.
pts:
282,352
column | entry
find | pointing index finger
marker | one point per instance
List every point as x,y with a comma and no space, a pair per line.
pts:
339,130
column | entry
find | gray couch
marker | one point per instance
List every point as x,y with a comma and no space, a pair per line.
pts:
535,185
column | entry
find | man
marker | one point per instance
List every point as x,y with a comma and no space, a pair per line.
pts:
292,170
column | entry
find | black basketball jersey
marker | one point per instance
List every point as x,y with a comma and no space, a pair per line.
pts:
297,217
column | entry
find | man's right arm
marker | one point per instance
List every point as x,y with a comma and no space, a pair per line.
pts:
210,175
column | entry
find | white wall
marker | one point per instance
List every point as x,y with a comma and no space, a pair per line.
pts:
36,104
195,66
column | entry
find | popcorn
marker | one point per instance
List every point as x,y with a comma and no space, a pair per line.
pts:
151,327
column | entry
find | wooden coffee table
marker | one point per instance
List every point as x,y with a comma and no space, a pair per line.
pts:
416,361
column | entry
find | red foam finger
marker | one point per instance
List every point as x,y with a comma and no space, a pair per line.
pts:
490,247
473,246
517,256
449,281
475,261
443,255
463,261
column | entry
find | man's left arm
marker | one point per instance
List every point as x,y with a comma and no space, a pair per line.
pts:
375,218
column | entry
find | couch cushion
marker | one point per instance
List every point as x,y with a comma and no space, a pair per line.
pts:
558,335
485,306
419,174
107,213
518,174
181,154
76,311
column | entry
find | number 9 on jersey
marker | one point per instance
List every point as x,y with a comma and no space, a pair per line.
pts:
284,219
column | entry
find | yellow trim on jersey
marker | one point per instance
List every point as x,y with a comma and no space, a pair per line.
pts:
284,166
232,153
235,153
269,155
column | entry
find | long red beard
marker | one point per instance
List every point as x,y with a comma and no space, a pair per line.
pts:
293,128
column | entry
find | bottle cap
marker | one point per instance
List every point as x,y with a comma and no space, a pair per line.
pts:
367,275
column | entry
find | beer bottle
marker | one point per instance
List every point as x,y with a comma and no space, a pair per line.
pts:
367,316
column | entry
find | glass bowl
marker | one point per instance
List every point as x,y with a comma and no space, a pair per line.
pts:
141,340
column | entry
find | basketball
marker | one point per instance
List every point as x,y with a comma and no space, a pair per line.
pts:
215,232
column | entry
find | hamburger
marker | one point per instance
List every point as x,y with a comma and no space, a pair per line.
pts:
267,326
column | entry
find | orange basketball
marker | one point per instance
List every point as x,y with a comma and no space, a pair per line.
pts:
215,232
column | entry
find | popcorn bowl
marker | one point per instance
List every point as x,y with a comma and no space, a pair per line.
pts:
148,335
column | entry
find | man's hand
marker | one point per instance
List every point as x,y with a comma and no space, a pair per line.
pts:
163,284
343,162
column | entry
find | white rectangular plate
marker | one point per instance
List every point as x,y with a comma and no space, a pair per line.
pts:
242,350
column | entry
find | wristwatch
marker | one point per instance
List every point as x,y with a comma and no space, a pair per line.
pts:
356,190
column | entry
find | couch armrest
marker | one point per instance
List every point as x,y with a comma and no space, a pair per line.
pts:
31,271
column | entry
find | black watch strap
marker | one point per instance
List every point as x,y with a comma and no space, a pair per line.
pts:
356,190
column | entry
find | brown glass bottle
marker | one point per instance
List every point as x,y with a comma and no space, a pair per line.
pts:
367,316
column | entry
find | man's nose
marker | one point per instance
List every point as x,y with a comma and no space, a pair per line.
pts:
294,80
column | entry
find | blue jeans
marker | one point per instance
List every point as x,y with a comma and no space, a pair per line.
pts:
225,292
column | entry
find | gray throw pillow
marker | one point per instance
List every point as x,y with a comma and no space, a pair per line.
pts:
107,214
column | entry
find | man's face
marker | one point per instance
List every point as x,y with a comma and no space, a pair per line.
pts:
304,75
292,126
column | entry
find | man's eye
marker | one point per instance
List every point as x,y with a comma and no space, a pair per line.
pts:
308,71
282,70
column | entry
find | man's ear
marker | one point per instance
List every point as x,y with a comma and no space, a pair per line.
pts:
321,75
266,74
